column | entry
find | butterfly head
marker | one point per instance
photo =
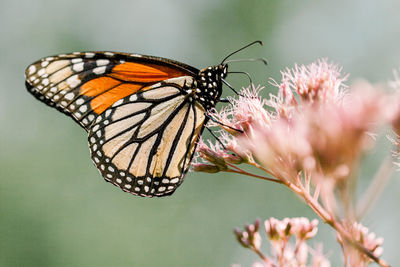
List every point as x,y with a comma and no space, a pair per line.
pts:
214,73
210,85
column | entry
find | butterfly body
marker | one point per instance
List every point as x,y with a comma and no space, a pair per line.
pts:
143,114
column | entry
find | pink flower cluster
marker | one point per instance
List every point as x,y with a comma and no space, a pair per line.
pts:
369,240
318,82
288,239
310,137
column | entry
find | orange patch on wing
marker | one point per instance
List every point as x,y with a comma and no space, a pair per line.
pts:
100,103
144,73
97,86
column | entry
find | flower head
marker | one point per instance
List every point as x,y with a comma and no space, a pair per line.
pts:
250,237
368,239
318,82
321,139
285,250
244,112
303,229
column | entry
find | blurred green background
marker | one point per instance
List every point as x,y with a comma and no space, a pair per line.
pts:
55,209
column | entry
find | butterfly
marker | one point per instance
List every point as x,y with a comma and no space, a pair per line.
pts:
144,115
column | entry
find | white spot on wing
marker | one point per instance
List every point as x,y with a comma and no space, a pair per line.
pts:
45,82
174,181
83,108
161,189
41,72
44,63
102,62
76,60
78,67
99,70
69,96
73,81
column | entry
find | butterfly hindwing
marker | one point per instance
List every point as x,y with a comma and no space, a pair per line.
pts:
144,142
83,85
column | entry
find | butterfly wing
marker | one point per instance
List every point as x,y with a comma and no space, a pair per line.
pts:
143,126
144,142
83,85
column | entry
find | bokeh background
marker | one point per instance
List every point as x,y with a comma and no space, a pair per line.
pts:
55,209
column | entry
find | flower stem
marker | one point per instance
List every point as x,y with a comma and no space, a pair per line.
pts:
322,213
379,182
345,235
241,171
327,218
263,257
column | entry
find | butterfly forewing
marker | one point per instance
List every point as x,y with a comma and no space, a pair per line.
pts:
144,142
83,85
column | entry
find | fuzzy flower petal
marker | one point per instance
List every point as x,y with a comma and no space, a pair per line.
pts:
320,81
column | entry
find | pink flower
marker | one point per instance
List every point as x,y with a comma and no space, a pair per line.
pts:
309,137
320,81
324,139
250,238
369,240
213,154
277,230
248,109
285,250
300,227
319,259
303,229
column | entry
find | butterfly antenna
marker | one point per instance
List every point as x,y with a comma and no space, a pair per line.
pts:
240,49
263,60
242,72
231,87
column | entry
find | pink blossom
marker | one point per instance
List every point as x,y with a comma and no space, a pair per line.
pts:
310,137
276,229
250,238
368,239
302,228
285,250
322,139
321,81
248,109
318,258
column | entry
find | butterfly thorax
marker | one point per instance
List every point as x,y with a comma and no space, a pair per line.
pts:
209,85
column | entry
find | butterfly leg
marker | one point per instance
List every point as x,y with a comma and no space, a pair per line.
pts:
222,124
224,100
216,137
231,87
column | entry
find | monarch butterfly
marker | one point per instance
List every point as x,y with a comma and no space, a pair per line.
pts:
143,114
